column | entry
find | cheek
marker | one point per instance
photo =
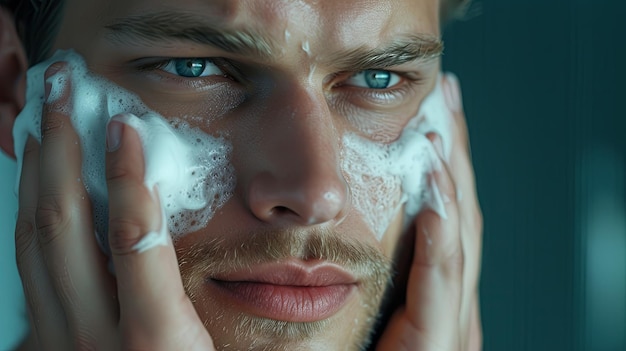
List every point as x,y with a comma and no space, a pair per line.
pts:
194,175
375,191
191,168
382,125
385,178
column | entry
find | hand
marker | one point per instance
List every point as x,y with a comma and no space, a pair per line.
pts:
441,311
74,302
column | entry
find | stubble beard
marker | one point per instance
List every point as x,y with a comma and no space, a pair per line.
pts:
217,256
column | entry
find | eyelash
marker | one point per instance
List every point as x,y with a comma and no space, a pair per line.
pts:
409,81
230,71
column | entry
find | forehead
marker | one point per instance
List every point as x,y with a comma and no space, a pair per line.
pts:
322,24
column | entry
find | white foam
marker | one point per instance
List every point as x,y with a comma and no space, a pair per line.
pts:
306,47
190,168
377,172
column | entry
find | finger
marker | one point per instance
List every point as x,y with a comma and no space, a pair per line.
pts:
475,338
469,208
460,164
153,303
460,158
64,224
435,281
463,174
430,319
47,319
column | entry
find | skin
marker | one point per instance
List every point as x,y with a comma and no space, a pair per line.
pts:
285,124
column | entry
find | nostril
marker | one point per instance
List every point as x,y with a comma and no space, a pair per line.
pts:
303,199
280,210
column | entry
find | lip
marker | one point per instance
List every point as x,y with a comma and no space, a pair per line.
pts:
292,291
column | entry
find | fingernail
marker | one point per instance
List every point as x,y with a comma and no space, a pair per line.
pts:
53,69
114,134
452,93
55,82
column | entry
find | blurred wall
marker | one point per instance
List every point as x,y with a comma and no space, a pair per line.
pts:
12,311
543,84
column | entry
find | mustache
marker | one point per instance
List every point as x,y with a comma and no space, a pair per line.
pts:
219,255
234,251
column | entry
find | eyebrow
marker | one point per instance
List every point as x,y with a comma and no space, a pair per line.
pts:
167,26
164,26
403,49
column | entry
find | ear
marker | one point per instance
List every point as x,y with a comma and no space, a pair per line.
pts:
13,67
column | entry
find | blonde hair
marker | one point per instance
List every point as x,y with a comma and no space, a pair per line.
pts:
37,22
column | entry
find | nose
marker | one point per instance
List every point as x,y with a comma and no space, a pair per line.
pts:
298,179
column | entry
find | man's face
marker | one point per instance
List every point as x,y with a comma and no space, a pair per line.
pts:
289,260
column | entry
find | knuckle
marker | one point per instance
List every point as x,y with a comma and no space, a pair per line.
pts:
84,340
51,124
50,219
457,258
116,171
455,263
124,234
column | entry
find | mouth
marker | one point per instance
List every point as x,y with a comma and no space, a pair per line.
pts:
292,291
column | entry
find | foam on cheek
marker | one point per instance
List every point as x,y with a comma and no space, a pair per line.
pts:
378,171
189,168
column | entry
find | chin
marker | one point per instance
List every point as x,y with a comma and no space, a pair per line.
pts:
233,326
287,290
323,295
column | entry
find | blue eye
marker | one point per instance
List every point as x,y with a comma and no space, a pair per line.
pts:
374,79
192,67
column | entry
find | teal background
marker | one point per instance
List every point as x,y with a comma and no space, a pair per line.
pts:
544,88
544,93
13,324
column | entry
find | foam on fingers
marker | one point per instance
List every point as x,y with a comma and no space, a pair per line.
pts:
192,169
